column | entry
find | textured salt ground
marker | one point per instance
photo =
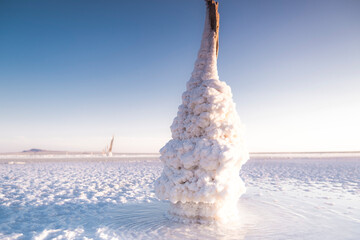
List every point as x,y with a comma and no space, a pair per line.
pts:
286,199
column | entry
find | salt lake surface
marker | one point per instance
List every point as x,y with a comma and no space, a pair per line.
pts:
297,197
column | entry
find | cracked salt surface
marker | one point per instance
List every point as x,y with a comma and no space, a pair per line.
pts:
299,198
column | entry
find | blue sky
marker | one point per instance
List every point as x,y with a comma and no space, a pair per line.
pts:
73,73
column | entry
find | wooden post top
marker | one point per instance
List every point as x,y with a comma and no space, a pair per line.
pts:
214,18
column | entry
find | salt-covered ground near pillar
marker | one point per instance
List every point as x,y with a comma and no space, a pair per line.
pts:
301,197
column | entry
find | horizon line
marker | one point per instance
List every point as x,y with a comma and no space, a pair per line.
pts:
92,152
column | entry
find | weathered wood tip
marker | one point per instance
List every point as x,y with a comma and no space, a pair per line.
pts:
214,19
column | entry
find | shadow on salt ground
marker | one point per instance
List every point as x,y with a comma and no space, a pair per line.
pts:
49,221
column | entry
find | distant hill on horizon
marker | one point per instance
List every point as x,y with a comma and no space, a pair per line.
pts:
33,150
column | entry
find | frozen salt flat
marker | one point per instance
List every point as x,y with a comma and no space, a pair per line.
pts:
78,198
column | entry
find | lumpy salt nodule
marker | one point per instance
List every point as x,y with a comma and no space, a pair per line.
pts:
203,159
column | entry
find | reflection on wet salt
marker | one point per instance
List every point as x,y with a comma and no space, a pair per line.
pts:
150,221
260,218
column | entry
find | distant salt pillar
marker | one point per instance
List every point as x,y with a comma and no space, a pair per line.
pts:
203,159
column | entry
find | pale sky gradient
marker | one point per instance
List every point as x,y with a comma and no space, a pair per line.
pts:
73,73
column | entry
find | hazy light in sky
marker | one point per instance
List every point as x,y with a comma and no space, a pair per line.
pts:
74,73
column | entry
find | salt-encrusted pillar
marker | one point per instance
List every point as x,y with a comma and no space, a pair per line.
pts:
203,159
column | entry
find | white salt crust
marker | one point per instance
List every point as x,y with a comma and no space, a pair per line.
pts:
202,161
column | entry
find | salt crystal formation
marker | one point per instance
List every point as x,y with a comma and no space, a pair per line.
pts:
203,159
